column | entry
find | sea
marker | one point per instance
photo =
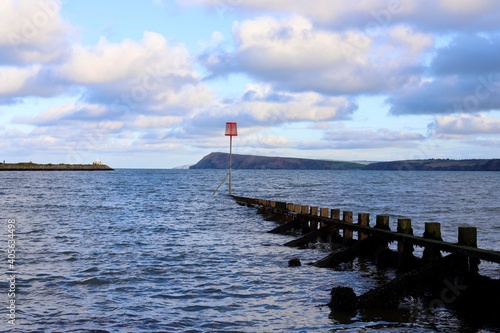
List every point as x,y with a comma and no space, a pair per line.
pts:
143,250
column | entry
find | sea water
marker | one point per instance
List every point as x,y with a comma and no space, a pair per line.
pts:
157,251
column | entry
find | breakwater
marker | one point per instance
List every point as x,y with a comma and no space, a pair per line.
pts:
417,277
53,167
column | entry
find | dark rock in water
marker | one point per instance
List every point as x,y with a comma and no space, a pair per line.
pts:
295,262
343,299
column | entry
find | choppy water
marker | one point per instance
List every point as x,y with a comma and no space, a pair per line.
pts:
155,251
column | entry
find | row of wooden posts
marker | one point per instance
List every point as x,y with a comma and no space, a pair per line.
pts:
431,272
325,222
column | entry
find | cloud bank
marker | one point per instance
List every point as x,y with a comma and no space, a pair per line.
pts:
306,65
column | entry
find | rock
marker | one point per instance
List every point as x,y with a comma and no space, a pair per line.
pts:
343,299
295,262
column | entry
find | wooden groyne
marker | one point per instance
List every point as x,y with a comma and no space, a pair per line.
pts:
326,225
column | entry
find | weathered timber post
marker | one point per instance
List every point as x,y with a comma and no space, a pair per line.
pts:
381,244
432,231
468,236
405,249
281,206
290,208
323,212
314,222
276,211
347,218
363,220
304,210
334,235
382,222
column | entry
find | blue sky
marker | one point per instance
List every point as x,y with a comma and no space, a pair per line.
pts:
151,83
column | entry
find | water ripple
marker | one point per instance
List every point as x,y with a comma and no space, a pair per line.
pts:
155,251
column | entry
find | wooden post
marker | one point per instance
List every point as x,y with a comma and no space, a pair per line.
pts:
347,232
296,208
468,236
314,223
304,210
363,220
404,226
405,249
335,214
382,222
432,231
334,235
290,208
381,244
323,212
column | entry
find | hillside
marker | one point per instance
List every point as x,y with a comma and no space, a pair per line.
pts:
438,165
221,161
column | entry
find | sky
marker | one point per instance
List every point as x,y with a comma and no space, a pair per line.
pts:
151,83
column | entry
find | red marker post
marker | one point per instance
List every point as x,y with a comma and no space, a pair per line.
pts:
231,130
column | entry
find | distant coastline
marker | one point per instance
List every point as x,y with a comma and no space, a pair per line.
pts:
221,161
28,166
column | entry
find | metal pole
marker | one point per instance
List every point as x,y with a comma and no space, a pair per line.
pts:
230,163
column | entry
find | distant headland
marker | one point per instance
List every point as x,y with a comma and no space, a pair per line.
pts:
29,166
221,161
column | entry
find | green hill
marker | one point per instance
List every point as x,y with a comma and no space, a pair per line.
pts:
438,165
221,161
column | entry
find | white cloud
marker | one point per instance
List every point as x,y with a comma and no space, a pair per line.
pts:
70,112
34,80
291,54
145,76
265,141
267,106
261,106
143,121
368,15
107,62
32,32
464,125
360,139
467,6
14,79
